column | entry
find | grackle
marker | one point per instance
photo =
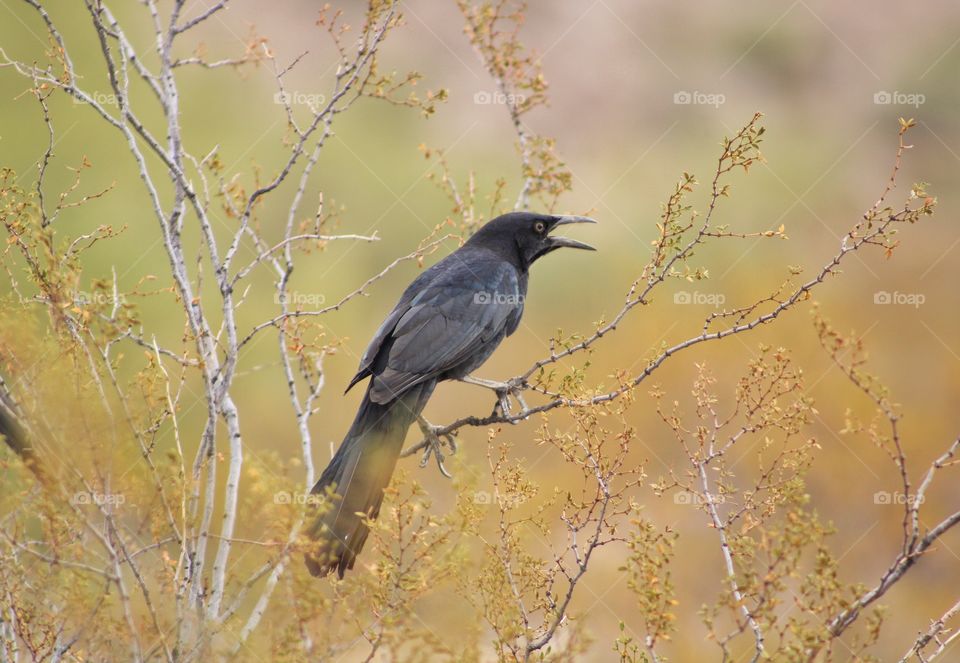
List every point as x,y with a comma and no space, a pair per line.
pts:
446,324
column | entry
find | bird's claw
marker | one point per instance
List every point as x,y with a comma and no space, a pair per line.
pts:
434,439
504,390
515,389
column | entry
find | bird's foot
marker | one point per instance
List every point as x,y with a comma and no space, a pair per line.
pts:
504,390
434,439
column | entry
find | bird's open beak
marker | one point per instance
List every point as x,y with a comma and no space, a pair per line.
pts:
558,242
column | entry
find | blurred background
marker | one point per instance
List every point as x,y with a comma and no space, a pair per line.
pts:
640,92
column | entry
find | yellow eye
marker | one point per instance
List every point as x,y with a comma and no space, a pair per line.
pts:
539,226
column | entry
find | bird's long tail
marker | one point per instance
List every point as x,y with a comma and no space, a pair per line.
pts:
357,476
12,432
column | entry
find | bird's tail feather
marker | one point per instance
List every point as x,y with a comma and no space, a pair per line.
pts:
357,476
13,433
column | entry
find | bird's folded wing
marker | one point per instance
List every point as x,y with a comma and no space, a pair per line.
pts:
445,325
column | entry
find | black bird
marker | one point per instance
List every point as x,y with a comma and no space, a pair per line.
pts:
446,324
12,432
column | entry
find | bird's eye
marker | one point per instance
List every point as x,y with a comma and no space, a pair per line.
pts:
539,227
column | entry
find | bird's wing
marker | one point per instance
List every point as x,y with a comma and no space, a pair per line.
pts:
447,322
376,343
382,336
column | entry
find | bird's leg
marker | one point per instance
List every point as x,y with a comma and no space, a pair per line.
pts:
433,442
504,390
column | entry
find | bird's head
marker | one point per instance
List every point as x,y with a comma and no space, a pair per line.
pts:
528,234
